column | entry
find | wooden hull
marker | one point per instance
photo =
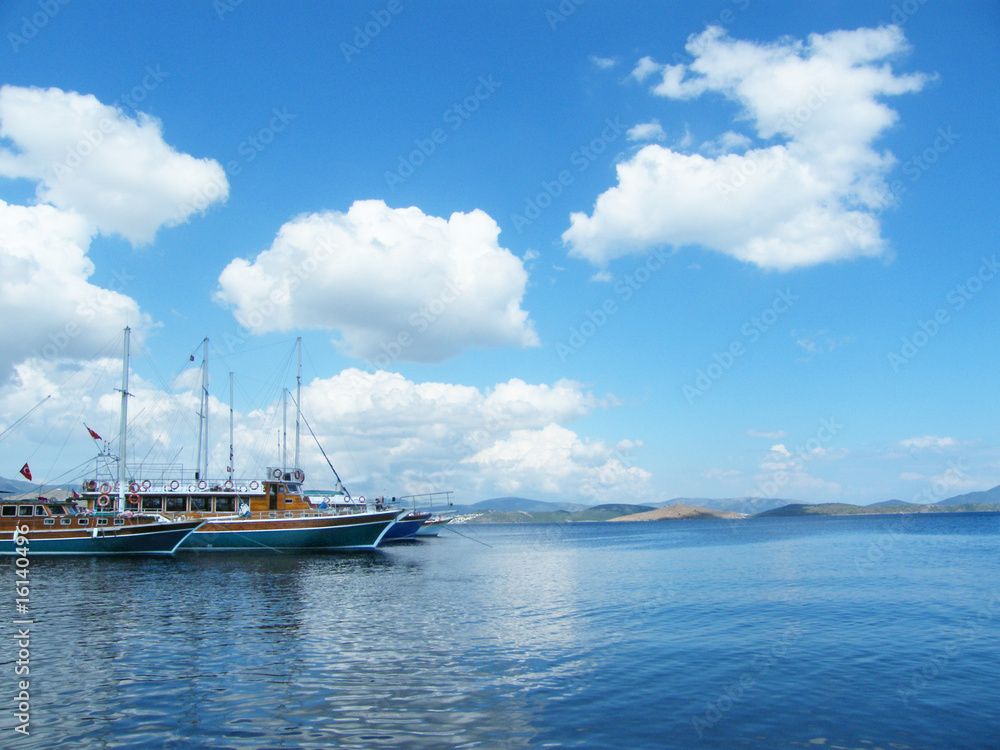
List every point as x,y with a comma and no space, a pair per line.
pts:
309,534
139,539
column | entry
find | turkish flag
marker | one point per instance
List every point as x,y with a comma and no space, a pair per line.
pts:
93,434
26,472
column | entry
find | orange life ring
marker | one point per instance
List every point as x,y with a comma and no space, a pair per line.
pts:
228,484
133,499
133,487
276,474
90,486
104,500
254,485
146,484
174,484
105,488
299,476
202,484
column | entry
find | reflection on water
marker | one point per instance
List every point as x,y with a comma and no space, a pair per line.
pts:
689,634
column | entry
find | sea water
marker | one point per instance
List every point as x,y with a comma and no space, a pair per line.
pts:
846,632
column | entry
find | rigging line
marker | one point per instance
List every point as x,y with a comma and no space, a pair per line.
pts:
306,421
471,539
98,357
347,445
14,426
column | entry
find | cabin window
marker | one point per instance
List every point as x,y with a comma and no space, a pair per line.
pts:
24,510
152,503
83,521
293,488
65,521
119,522
201,504
102,521
57,510
225,504
8,510
49,521
176,505
40,510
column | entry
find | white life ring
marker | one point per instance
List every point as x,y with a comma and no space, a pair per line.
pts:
105,488
361,499
228,484
174,484
202,484
104,500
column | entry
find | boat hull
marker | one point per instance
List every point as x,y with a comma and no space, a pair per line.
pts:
432,527
317,533
144,539
406,527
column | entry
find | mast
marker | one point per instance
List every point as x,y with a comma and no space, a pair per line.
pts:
204,395
298,401
284,430
203,417
123,427
230,468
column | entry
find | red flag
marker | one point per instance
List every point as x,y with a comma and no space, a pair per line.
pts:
93,434
26,472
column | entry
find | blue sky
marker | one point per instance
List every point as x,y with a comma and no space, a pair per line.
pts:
585,251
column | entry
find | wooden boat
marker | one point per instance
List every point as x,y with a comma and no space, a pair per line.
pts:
51,527
270,514
45,527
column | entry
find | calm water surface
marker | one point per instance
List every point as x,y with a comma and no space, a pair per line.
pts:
852,632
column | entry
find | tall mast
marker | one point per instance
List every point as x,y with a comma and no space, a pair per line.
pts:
203,416
123,427
230,468
284,429
204,395
298,400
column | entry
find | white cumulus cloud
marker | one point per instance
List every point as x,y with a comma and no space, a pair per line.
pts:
91,158
48,306
808,198
396,283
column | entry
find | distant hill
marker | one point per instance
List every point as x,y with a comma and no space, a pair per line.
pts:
746,505
521,504
16,485
596,513
677,512
844,509
888,504
973,498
